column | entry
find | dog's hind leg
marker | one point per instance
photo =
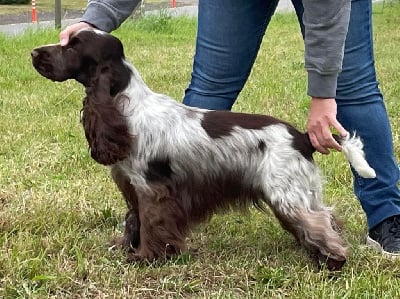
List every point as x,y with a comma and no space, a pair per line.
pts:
300,210
131,236
163,226
317,231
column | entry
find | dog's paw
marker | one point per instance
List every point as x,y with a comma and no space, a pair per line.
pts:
330,263
121,243
139,258
143,255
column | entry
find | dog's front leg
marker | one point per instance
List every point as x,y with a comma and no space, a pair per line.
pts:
163,225
131,237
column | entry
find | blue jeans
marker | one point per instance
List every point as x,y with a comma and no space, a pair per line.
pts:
228,39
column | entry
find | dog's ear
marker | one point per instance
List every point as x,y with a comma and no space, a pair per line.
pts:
106,129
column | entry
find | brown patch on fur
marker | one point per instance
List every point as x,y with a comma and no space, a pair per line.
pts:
302,143
106,129
218,124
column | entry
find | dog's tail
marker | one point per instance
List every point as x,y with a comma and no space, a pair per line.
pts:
352,148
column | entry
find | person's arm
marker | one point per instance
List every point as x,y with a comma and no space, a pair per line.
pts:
105,15
108,15
326,23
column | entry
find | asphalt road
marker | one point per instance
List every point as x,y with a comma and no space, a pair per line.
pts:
188,10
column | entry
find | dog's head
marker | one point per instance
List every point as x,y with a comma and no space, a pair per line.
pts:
95,59
88,54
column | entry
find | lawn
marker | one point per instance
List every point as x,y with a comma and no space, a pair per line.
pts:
59,209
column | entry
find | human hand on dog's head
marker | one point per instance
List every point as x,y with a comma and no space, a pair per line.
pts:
68,31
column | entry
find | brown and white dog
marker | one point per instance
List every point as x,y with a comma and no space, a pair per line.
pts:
176,166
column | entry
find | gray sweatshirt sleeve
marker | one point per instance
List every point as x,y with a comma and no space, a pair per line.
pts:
108,15
326,23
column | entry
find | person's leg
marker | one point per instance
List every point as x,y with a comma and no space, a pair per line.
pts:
361,109
299,9
229,35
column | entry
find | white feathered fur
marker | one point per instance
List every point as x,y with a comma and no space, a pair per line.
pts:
352,148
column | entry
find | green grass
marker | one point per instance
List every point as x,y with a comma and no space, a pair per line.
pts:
58,209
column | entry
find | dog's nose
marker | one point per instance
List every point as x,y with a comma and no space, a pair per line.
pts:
34,53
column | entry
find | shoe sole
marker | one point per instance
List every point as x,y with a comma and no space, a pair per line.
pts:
375,245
